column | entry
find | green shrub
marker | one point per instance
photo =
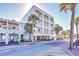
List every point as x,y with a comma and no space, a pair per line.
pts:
22,40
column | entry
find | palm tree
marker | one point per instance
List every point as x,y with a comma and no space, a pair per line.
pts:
33,18
57,29
28,29
71,7
64,34
76,22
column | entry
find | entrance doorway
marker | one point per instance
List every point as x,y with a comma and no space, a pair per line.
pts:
13,38
2,39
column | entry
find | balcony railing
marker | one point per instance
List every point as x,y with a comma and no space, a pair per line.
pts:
9,28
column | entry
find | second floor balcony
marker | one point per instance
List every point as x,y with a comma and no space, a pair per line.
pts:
8,26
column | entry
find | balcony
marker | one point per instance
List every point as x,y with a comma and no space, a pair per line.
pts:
13,28
38,13
51,20
9,27
46,17
51,26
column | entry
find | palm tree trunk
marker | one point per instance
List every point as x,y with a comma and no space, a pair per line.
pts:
32,33
77,30
72,29
64,36
30,37
56,36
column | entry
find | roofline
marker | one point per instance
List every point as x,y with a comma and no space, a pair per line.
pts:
14,21
42,10
26,13
38,8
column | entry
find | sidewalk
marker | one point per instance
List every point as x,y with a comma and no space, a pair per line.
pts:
2,48
57,51
74,51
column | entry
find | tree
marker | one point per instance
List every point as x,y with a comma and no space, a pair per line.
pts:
66,34
71,7
28,29
76,22
57,29
63,33
33,18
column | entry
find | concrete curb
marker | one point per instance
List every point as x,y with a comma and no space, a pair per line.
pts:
67,52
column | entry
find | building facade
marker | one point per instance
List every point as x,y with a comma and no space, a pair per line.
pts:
11,31
44,27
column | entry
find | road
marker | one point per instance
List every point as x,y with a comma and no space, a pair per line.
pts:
43,48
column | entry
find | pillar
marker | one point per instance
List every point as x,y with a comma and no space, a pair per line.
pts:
7,39
19,38
0,38
50,37
35,38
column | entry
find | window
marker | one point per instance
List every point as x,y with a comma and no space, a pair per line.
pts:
46,17
13,27
46,24
39,14
3,37
39,22
11,37
4,26
51,20
0,26
39,30
51,31
51,25
46,31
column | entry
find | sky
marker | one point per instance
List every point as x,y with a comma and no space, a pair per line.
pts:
17,10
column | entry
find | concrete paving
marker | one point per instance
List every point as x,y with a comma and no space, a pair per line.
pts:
38,49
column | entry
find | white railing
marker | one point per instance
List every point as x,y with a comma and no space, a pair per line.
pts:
8,28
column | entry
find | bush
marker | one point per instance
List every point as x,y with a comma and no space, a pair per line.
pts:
22,40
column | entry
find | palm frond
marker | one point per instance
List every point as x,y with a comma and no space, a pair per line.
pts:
64,7
76,20
33,18
28,27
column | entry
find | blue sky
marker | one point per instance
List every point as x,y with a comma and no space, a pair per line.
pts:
17,11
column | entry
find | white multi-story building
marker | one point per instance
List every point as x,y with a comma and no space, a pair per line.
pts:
12,31
44,27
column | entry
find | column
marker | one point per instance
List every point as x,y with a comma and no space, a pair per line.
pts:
35,38
49,28
50,37
0,38
32,39
7,25
19,38
7,39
